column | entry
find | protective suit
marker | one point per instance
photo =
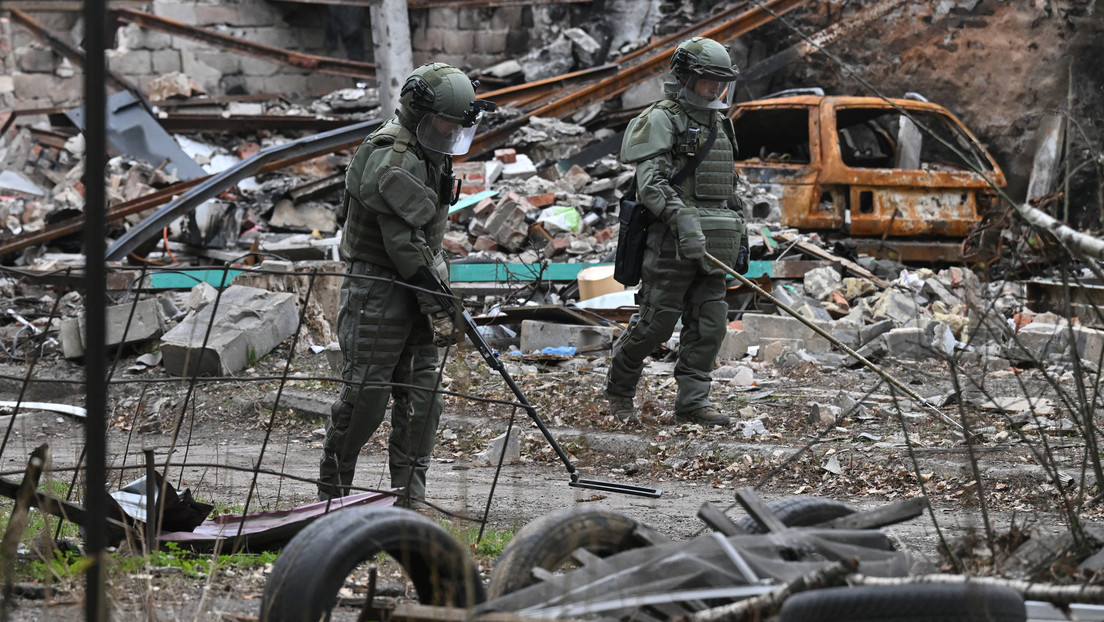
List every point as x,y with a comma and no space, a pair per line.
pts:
399,186
701,214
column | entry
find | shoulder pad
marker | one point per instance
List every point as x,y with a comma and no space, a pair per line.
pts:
652,132
407,196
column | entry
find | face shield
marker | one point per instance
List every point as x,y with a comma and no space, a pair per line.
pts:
711,93
447,135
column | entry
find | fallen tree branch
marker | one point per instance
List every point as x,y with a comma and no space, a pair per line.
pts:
1083,243
764,605
1054,594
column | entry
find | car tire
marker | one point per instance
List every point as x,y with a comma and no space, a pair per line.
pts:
799,512
906,603
306,577
548,543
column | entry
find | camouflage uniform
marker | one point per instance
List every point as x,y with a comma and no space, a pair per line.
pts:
702,213
397,198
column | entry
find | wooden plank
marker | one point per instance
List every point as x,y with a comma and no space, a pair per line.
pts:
816,251
758,510
891,514
719,521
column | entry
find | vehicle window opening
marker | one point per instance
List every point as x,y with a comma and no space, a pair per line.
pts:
866,202
923,140
773,135
827,202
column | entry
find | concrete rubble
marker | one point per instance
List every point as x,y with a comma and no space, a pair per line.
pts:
541,198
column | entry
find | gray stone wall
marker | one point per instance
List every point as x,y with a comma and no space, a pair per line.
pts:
32,75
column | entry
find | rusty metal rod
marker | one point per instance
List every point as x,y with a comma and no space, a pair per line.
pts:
310,62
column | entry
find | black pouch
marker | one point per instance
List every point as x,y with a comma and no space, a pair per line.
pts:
632,238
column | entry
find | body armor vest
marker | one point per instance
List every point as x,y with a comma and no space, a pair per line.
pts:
363,238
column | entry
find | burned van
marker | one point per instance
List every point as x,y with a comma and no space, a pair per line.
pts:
900,170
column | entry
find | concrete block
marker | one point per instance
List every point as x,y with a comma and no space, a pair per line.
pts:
1089,343
734,346
36,59
819,283
221,62
916,343
458,41
536,336
935,290
495,450
897,306
873,331
491,42
506,18
247,325
145,323
7,84
275,37
774,351
444,17
812,309
165,61
521,168
130,62
1037,341
48,87
767,328
258,66
177,11
246,14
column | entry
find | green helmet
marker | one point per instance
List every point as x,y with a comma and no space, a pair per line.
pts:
439,100
705,70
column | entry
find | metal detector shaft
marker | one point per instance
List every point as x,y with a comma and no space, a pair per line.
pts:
831,339
447,301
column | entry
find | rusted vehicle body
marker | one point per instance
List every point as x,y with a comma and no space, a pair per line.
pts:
865,166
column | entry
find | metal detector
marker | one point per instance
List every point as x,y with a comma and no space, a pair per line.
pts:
446,299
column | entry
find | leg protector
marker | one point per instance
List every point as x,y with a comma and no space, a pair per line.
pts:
703,330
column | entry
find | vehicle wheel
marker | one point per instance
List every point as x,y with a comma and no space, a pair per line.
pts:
799,512
306,577
906,603
549,541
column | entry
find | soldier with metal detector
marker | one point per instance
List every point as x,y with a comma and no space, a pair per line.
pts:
399,186
684,150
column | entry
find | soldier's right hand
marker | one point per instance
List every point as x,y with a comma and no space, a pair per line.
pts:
444,330
691,240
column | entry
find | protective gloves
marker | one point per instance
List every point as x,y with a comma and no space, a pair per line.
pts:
443,330
742,260
443,326
691,240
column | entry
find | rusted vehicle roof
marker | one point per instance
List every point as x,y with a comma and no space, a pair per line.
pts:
866,166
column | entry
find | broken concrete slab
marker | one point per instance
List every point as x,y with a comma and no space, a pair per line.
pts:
819,283
535,336
495,450
145,319
897,306
247,325
769,328
734,346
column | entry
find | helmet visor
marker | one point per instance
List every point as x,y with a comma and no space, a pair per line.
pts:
712,93
446,135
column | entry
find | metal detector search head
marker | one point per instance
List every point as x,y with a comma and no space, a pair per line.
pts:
624,489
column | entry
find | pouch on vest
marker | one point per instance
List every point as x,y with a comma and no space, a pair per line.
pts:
632,237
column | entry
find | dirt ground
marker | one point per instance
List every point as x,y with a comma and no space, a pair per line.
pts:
862,459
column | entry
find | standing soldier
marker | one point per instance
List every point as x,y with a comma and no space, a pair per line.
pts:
684,149
399,186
